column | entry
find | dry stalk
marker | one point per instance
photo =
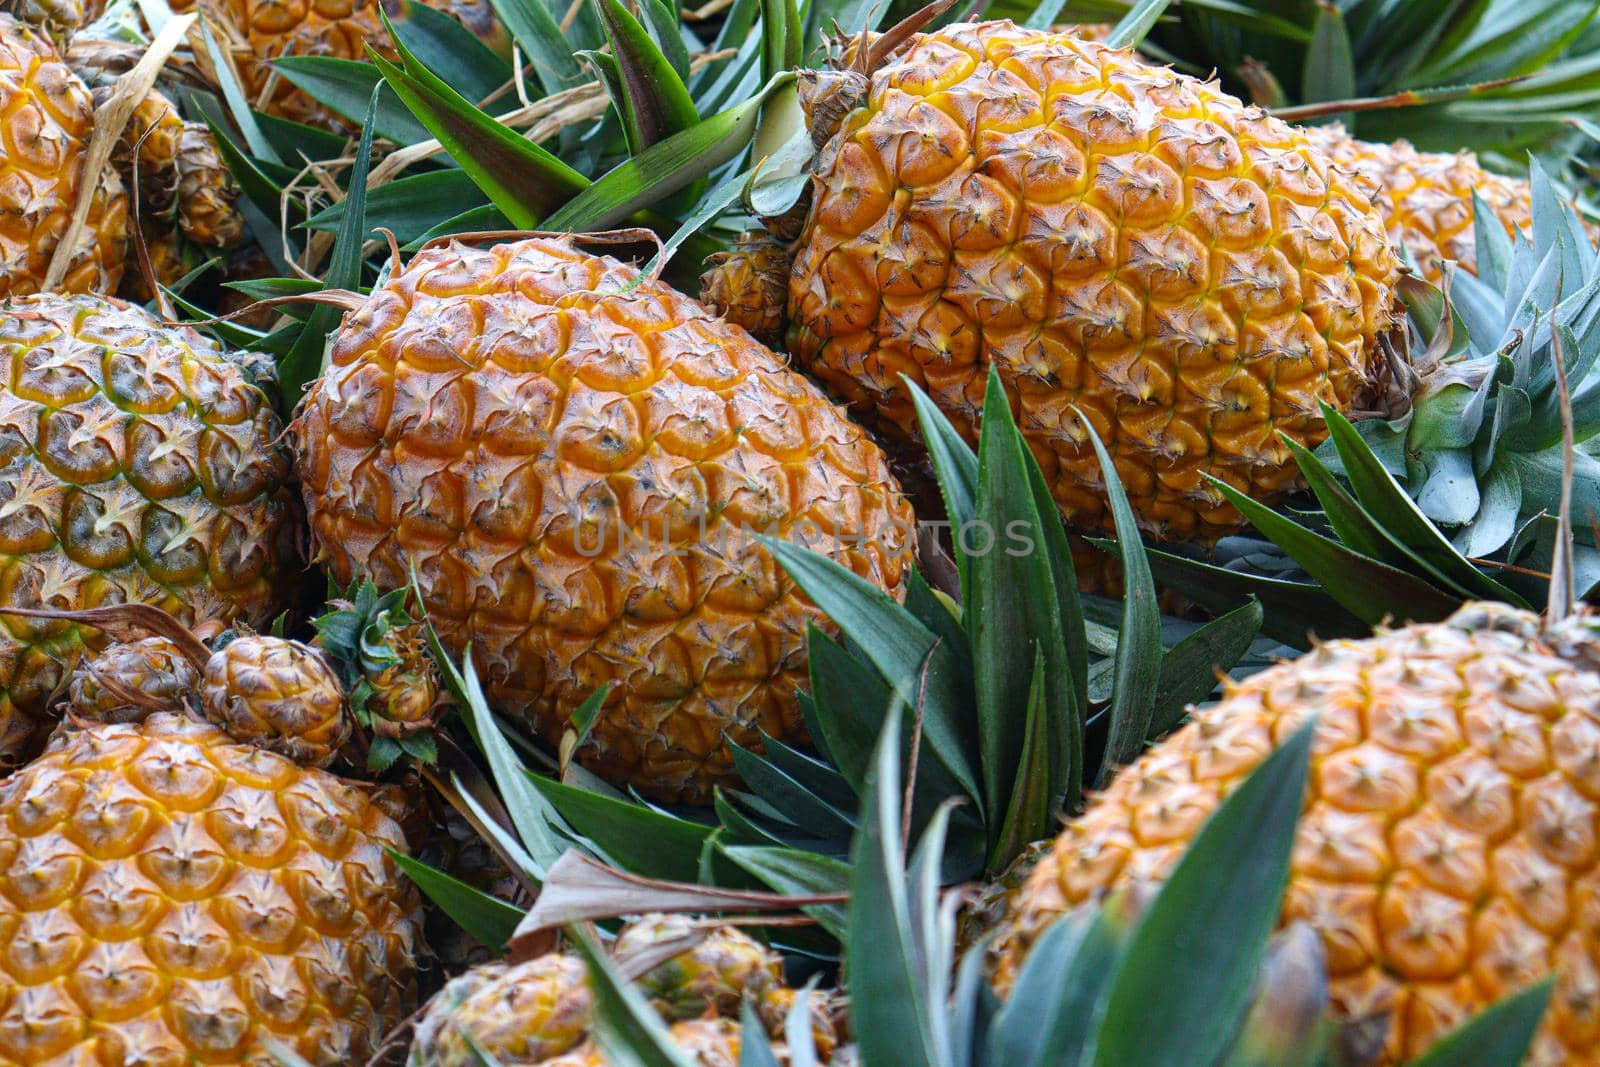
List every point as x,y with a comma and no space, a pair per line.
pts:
110,119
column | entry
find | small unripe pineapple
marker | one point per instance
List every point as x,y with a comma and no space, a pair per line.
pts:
128,681
1449,849
748,285
279,694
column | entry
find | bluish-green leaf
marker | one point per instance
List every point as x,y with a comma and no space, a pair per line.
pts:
488,919
637,838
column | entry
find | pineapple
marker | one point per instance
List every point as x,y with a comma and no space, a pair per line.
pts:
749,284
539,1012
395,688
1426,197
279,694
1447,849
137,463
1192,275
49,114
127,680
171,896
264,30
452,845
206,191
572,459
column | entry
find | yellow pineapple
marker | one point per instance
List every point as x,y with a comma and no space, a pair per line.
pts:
1191,274
572,459
1447,850
49,113
137,463
1426,197
171,896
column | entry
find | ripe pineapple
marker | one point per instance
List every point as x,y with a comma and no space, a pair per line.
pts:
539,1012
49,112
170,896
1447,851
137,463
1192,274
265,30
570,457
1426,197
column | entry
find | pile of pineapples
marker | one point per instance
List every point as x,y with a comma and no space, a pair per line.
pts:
595,534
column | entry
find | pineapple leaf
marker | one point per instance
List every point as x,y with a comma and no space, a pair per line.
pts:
636,837
662,169
1138,659
303,363
1188,670
903,650
1013,619
955,465
1370,589
535,819
1135,25
544,47
588,713
799,804
844,690
798,873
781,37
522,179
822,780
448,48
1203,974
1031,806
1498,1036
488,919
755,1050
654,103
233,93
668,33
890,1009
407,206
1293,609
1062,991
1330,66
1383,498
1287,1025
626,1027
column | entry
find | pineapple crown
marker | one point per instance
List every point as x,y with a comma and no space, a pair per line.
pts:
1480,450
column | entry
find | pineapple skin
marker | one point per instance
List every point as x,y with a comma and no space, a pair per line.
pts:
1187,270
1426,197
568,454
137,463
170,896
49,118
1447,850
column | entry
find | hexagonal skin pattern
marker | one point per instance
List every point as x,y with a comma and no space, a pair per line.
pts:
342,29
1449,848
168,896
137,463
46,117
1114,237
1426,197
572,456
